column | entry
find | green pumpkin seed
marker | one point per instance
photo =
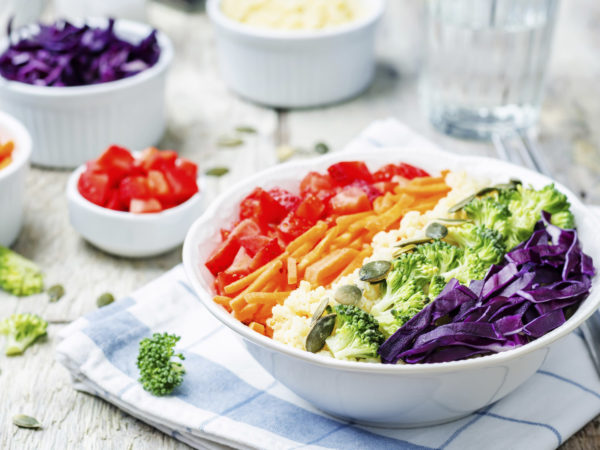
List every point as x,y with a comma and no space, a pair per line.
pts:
460,205
436,230
417,241
55,292
245,129
348,295
320,331
512,184
217,171
24,421
105,299
321,148
405,249
229,141
374,271
320,310
452,221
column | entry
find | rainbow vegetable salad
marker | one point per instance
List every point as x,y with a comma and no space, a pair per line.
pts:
399,266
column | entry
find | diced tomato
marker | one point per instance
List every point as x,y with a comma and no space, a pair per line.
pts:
350,200
253,244
222,257
114,201
268,252
285,198
260,205
316,183
346,172
154,159
385,186
311,208
116,162
133,187
182,185
241,262
188,167
224,233
157,185
141,206
293,226
387,172
224,278
371,191
94,187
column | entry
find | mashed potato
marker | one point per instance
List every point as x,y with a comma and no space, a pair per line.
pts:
291,321
292,14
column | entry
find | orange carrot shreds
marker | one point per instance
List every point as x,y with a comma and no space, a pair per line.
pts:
257,327
5,162
312,235
319,249
303,249
237,304
265,297
271,285
221,300
425,206
270,270
292,271
426,190
422,181
243,283
269,331
327,268
383,203
246,314
264,313
356,262
395,212
345,221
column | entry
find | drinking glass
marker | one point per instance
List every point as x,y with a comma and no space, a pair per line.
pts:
485,64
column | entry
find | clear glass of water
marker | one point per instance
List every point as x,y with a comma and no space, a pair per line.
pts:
485,64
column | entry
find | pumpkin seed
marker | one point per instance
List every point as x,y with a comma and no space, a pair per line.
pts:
55,292
320,310
285,152
374,271
436,230
24,421
245,129
405,249
321,330
348,295
513,183
105,299
453,221
321,148
229,141
416,241
460,205
217,171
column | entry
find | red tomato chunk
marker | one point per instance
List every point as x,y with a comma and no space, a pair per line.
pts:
155,181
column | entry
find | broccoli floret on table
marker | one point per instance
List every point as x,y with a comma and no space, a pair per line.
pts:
158,374
356,336
21,330
18,275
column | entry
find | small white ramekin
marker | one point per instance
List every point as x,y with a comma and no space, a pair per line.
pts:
297,68
127,234
12,179
71,125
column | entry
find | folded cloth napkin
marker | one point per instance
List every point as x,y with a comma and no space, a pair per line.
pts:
228,399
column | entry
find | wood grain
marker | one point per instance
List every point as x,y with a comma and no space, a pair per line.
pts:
200,110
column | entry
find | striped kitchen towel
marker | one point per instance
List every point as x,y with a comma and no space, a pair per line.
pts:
227,399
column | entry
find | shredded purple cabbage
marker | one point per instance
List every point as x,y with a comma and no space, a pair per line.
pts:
63,54
532,292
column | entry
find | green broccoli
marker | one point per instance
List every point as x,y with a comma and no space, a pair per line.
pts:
563,219
356,336
158,374
18,275
471,268
485,243
22,330
401,312
489,212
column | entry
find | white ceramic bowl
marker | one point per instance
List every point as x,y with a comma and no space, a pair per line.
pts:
390,395
127,234
297,68
71,125
12,179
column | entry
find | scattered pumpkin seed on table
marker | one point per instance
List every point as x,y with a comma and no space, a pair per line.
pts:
105,299
229,141
217,171
55,293
321,148
245,129
25,421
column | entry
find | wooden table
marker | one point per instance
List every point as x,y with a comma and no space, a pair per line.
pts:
200,110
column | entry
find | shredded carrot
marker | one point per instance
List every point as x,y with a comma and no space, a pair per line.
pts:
257,327
223,301
237,304
422,181
292,270
330,266
424,190
313,234
265,297
356,262
246,313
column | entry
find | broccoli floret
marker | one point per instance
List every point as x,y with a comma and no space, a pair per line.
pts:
436,286
471,268
563,219
489,212
485,243
356,336
440,254
21,330
392,319
18,275
526,205
158,374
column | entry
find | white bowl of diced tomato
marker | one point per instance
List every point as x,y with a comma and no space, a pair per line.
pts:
136,204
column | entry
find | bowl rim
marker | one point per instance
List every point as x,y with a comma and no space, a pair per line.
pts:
23,144
369,367
121,25
374,13
76,198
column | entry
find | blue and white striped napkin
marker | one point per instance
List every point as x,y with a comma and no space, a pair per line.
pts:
227,399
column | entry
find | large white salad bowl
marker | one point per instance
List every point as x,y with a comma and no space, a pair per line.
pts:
379,394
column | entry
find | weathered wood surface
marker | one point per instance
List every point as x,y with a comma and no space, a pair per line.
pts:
201,109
